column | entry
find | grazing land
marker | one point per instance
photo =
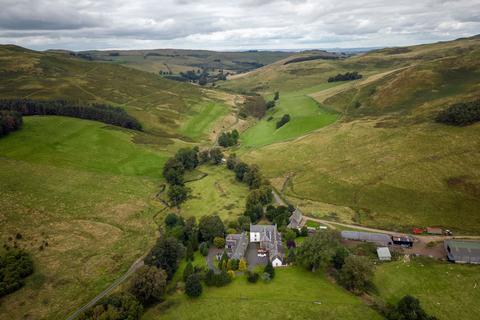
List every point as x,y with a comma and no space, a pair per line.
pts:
447,291
216,193
293,294
87,190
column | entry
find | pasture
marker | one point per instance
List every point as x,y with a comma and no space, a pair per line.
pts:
216,193
445,290
294,294
87,190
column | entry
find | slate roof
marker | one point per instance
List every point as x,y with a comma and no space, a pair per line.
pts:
295,219
378,238
270,239
463,251
238,245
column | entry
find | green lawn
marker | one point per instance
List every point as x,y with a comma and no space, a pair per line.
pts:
204,115
217,193
294,294
445,290
305,113
87,190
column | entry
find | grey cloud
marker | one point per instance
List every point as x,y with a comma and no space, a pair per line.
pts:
230,24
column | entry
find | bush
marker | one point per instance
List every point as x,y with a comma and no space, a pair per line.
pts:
270,104
15,266
345,76
188,271
9,121
219,242
204,248
285,118
193,287
460,114
252,277
270,270
409,308
228,139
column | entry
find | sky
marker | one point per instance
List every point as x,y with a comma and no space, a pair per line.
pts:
234,25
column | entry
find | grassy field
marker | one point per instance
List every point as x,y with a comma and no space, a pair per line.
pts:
293,294
87,190
445,290
202,120
305,113
217,193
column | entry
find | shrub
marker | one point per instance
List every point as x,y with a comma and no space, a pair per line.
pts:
204,249
15,266
460,114
285,118
266,277
219,242
270,104
188,271
270,270
252,277
193,287
9,121
231,274
408,308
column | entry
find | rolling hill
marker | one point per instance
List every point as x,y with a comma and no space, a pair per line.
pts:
385,162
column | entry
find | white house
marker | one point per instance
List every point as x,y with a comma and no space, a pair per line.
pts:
270,240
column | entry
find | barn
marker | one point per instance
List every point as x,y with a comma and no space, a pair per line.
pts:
463,251
378,238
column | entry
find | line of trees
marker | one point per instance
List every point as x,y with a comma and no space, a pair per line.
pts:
15,266
228,139
186,159
460,114
100,112
9,121
260,190
345,76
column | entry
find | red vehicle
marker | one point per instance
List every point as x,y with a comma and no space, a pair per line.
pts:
417,230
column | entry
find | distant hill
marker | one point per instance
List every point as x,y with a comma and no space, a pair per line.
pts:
161,105
175,61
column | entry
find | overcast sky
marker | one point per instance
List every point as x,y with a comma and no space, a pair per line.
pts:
234,25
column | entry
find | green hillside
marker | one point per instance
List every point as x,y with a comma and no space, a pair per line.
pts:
162,106
386,157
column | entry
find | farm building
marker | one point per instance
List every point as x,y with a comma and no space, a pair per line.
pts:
295,220
270,240
378,238
384,254
463,251
236,245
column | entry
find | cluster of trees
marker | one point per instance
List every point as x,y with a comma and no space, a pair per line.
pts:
15,266
99,112
228,139
279,215
186,159
118,306
323,249
460,114
285,118
267,275
9,121
271,104
345,76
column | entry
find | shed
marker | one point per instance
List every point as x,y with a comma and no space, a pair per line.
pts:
463,251
378,238
384,254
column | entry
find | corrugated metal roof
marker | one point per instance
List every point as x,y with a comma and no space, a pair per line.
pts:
367,236
463,251
383,252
